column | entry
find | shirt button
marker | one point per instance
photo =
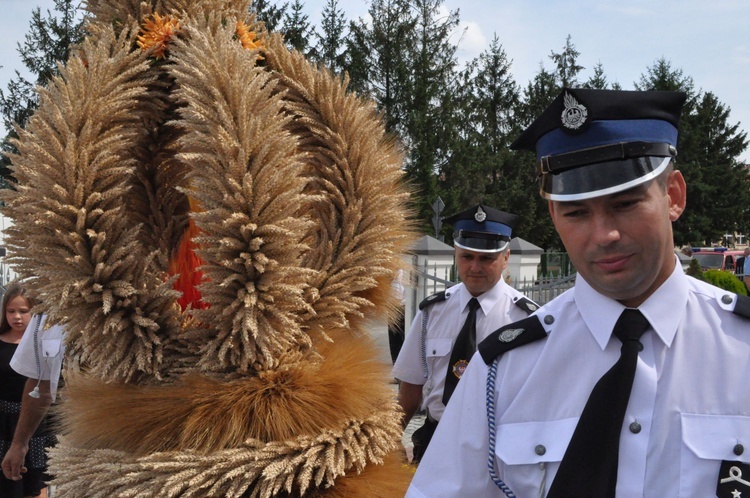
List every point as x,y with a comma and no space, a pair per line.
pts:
738,449
727,299
549,319
635,427
540,449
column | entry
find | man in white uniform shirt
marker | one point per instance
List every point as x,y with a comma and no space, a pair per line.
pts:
432,351
527,419
39,357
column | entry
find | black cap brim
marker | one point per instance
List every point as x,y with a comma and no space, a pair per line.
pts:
600,179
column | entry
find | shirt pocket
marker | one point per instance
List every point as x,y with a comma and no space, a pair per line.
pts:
436,348
51,347
707,440
528,452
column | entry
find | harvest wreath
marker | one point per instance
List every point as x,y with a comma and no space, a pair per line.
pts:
214,220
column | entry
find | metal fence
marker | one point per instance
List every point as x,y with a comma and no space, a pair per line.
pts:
544,290
541,290
6,274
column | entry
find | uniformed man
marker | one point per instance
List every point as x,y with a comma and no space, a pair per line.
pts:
585,399
444,333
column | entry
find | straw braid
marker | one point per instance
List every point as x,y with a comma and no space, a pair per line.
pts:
262,469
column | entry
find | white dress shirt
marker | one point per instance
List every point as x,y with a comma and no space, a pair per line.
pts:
45,362
688,411
444,322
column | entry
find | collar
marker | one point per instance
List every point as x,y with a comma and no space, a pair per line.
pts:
600,313
486,301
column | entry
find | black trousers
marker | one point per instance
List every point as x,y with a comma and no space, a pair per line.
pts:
422,437
396,335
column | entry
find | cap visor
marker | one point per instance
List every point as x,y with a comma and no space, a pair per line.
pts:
480,245
596,180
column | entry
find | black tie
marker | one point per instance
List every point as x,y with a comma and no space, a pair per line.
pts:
463,350
589,467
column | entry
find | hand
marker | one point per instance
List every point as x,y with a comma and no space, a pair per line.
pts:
13,462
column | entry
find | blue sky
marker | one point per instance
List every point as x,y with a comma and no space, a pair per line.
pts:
708,40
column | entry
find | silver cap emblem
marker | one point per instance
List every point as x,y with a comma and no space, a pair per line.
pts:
574,114
480,215
510,334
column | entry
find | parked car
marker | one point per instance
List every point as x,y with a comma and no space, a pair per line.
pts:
718,258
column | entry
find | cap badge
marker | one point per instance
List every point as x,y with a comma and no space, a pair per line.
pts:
574,114
480,215
510,334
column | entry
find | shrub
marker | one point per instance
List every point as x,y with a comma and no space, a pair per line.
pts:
726,281
695,270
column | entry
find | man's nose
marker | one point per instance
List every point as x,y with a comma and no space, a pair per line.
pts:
605,230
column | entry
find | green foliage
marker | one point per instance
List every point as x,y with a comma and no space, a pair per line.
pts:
695,270
567,65
725,280
456,124
296,28
599,79
708,152
49,41
329,49
269,13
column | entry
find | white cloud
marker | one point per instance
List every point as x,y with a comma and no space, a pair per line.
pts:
472,42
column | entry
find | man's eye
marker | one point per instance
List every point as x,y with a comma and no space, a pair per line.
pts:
626,203
575,213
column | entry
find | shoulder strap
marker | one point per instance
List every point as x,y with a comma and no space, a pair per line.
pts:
527,305
510,337
742,306
434,298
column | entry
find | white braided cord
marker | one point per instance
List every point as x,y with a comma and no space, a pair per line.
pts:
425,315
491,376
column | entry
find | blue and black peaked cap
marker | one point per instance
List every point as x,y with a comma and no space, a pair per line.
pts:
482,229
591,143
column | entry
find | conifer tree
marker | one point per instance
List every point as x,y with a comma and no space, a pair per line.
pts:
431,83
379,60
708,152
48,42
268,12
296,28
331,38
599,80
566,64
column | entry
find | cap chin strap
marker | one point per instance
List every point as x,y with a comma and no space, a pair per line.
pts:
602,154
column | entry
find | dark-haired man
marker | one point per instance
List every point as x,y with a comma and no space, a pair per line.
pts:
635,382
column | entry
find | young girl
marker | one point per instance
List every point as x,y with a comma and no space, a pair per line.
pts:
16,315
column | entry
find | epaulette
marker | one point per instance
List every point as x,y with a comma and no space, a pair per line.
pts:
526,304
434,298
742,306
510,337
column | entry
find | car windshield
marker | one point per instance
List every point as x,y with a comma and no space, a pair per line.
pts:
710,260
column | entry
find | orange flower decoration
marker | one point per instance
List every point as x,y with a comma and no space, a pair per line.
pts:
158,33
248,38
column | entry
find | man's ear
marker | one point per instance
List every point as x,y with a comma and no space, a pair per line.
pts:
677,192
